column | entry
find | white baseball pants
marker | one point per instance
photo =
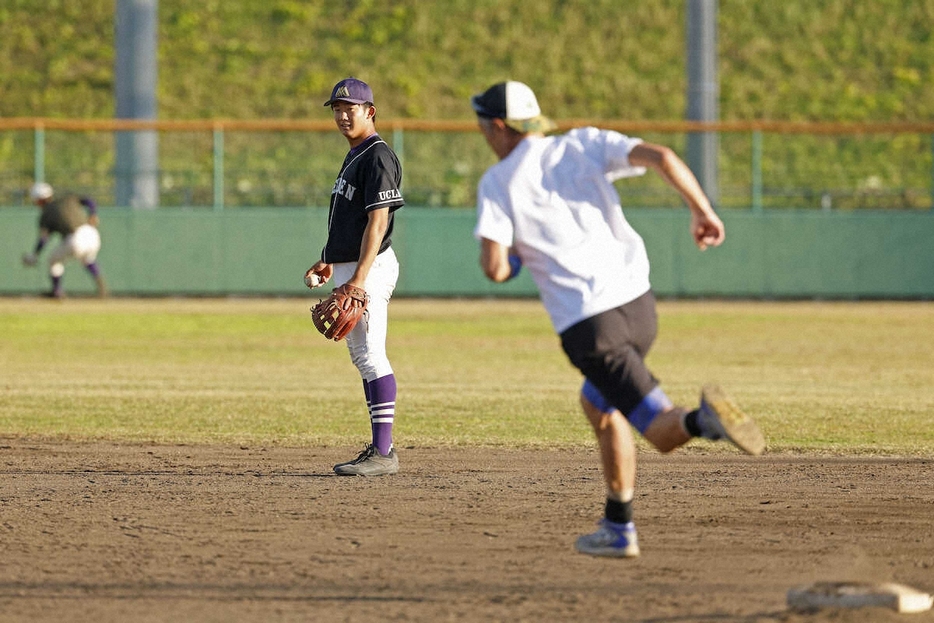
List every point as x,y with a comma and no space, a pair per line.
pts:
367,341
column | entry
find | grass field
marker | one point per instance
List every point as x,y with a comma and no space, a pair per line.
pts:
819,377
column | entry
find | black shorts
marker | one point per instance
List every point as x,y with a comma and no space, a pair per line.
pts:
610,350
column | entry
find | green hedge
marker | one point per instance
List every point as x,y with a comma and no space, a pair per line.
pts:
819,60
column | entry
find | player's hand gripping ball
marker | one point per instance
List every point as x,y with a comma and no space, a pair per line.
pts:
337,315
312,280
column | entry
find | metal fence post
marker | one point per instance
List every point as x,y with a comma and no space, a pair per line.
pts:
39,153
757,170
218,167
703,93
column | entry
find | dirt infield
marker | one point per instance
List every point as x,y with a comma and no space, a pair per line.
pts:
100,532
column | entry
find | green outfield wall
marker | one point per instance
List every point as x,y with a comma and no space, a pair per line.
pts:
265,251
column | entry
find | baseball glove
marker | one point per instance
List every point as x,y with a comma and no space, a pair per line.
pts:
337,315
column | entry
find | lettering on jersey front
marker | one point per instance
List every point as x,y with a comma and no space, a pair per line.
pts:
386,195
341,187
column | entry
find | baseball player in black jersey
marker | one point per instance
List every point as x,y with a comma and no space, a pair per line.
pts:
358,252
75,220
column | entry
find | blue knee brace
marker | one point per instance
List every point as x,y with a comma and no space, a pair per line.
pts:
641,416
593,395
646,411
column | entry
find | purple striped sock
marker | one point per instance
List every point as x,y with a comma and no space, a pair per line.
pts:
381,403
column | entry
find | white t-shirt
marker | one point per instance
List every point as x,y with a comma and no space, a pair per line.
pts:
552,199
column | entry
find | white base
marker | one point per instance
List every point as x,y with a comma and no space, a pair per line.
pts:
859,595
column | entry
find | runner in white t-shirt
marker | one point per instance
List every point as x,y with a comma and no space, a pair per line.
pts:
550,205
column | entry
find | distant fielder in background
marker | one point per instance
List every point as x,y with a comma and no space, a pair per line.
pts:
358,252
75,220
550,205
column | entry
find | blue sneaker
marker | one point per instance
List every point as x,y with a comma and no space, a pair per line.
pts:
612,539
721,419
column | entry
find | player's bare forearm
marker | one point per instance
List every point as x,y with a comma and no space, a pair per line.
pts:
494,260
706,227
369,246
674,171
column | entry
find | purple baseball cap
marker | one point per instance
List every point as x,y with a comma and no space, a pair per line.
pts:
351,90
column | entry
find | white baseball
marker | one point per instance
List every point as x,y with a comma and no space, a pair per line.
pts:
312,280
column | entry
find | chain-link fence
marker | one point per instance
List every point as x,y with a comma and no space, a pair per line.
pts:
229,164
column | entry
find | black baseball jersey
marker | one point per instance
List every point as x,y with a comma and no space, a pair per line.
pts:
63,216
369,180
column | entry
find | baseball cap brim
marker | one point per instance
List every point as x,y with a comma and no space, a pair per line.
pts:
345,99
540,123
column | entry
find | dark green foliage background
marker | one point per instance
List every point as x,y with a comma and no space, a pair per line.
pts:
800,60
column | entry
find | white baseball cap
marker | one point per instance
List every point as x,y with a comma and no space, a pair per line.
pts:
515,103
40,191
